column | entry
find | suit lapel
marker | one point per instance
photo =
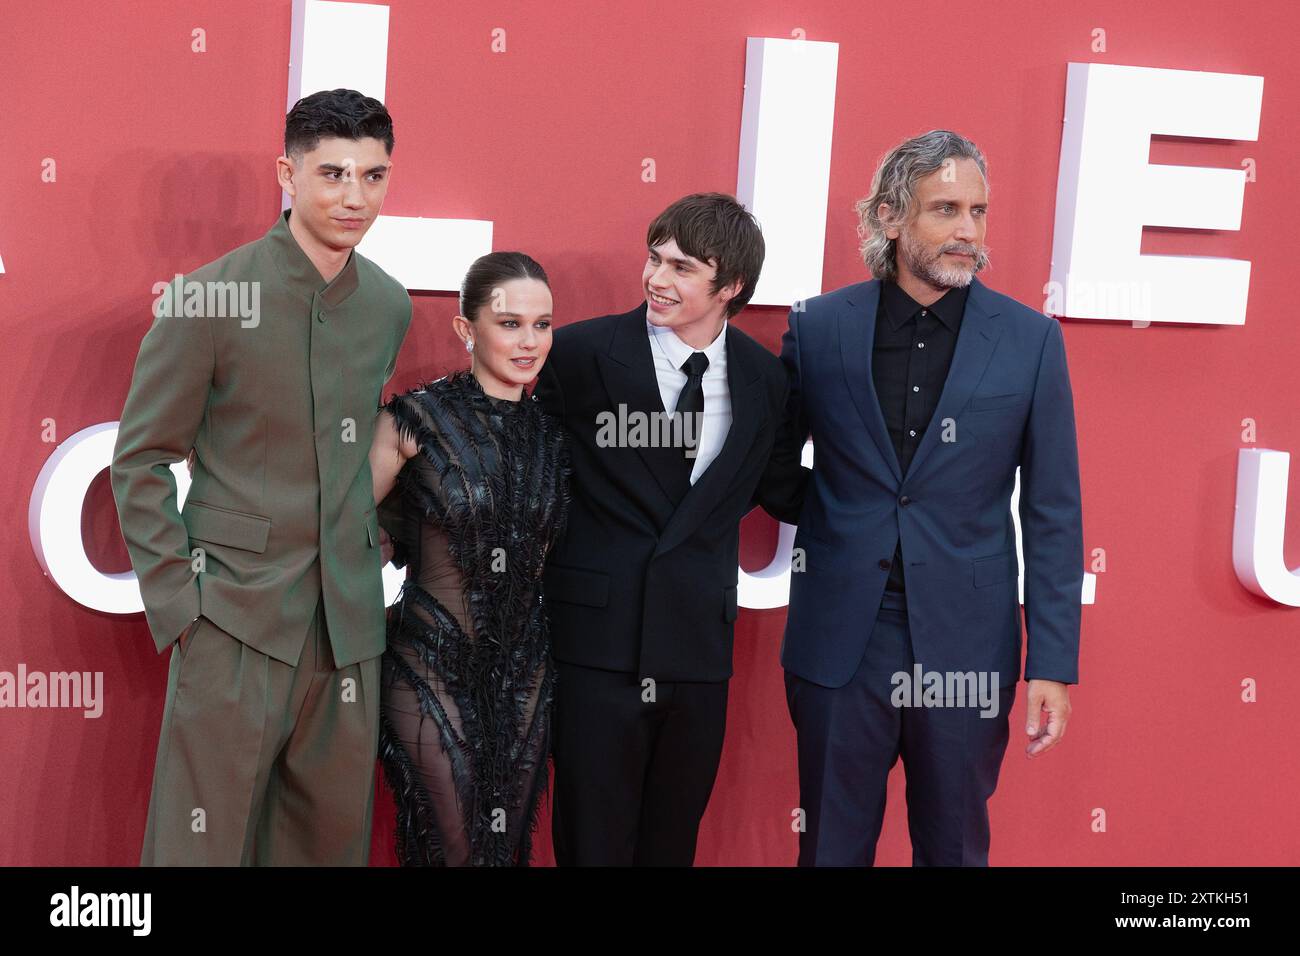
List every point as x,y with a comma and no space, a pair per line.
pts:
857,334
628,373
744,382
976,341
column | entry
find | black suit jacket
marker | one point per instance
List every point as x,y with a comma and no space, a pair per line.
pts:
641,584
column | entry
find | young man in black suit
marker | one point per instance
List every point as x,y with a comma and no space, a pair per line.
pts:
641,592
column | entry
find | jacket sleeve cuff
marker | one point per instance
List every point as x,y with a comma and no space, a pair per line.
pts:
169,620
1054,674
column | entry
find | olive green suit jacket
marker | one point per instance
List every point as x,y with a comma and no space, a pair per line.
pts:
278,403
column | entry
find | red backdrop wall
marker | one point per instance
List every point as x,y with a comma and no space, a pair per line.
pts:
165,160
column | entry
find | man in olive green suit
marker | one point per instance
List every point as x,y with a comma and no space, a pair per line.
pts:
268,581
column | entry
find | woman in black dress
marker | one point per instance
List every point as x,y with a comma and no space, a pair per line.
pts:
467,680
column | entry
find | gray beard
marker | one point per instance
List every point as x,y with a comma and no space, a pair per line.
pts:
929,268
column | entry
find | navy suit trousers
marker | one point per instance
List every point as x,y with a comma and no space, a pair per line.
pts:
850,737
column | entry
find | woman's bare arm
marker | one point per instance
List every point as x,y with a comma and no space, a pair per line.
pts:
388,453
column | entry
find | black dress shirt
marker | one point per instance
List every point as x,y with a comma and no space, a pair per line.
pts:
911,355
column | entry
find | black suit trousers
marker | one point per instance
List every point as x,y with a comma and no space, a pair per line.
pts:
634,766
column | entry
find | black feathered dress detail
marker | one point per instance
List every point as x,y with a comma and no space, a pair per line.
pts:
467,679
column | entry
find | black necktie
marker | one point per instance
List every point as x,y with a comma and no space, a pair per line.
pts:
691,402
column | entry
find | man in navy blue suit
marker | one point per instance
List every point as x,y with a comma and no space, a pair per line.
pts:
924,391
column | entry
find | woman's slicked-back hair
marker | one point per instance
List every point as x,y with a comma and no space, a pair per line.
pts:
895,184
343,113
489,272
715,226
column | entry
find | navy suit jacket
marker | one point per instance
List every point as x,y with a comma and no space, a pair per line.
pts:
1006,403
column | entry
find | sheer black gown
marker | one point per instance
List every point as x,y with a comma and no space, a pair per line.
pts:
467,681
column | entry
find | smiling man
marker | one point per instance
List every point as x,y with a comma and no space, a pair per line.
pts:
641,591
267,584
924,391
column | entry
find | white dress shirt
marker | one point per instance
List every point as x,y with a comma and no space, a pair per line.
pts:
670,353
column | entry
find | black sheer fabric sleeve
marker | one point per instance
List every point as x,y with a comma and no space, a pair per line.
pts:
389,512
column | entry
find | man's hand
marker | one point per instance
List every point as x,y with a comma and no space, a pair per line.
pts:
385,547
1049,712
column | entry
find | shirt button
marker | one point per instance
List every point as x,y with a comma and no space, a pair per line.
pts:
920,345
320,316
904,501
884,564
912,432
916,388
923,312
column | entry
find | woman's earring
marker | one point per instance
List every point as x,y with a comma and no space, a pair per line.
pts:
469,345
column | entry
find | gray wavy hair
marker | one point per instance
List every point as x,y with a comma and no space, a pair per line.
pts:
895,183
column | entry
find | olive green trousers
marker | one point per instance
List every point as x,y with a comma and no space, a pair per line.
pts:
262,763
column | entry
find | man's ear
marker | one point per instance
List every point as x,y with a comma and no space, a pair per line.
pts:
884,212
729,292
284,173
